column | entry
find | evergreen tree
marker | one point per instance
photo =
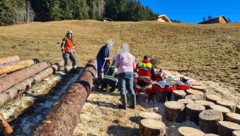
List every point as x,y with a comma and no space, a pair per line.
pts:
54,10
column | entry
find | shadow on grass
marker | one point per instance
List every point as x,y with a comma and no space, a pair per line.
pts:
122,131
104,104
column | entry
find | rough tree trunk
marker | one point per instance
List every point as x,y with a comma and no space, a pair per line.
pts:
233,117
9,59
7,68
64,116
17,77
178,94
151,127
208,120
238,109
174,111
222,109
226,128
193,110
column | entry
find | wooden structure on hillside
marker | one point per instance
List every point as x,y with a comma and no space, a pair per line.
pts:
220,20
163,18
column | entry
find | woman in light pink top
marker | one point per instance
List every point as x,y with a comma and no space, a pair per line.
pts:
125,62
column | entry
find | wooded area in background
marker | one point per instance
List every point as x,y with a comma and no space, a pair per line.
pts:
25,11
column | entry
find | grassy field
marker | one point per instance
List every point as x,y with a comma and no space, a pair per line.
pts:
210,52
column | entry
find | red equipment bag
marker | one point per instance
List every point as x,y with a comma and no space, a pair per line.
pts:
158,88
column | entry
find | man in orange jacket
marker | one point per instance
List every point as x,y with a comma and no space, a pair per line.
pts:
145,72
68,51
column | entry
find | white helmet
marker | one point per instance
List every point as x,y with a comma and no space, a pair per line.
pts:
69,32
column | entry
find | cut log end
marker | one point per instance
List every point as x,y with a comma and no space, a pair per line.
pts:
188,131
193,91
174,111
150,115
206,104
222,109
236,133
179,94
185,101
195,97
228,104
226,128
150,127
213,98
233,117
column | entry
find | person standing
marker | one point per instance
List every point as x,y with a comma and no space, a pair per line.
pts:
67,47
125,62
103,53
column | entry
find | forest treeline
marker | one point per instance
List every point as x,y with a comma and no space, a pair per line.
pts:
24,11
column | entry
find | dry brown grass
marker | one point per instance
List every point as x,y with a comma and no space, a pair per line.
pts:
204,51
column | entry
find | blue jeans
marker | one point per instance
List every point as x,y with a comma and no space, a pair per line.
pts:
125,82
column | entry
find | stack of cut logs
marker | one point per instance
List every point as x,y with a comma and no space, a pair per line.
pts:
214,115
18,76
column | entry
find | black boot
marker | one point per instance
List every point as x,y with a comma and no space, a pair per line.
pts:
124,101
133,101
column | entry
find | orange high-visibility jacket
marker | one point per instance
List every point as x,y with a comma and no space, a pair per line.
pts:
68,45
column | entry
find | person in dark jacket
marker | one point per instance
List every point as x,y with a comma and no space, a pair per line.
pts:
103,53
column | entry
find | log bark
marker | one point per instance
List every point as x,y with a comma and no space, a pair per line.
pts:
20,88
206,104
226,128
5,128
9,59
59,121
236,133
222,109
17,77
195,97
208,120
151,127
238,109
193,110
212,98
174,111
228,104
149,115
233,117
178,94
188,131
8,68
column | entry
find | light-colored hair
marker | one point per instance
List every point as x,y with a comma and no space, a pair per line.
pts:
124,48
110,43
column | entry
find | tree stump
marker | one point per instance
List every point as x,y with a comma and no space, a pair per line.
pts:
151,127
178,94
233,117
193,110
238,109
212,98
174,111
208,120
206,104
236,133
226,128
195,97
185,101
193,92
222,109
228,104
201,88
150,115
211,134
188,131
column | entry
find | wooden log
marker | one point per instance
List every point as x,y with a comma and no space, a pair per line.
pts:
189,131
16,77
185,101
201,88
233,117
150,115
59,121
193,92
8,68
236,133
5,128
211,134
206,104
193,110
9,59
178,94
212,97
222,109
226,128
151,127
174,111
3,98
238,109
228,104
208,120
195,97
